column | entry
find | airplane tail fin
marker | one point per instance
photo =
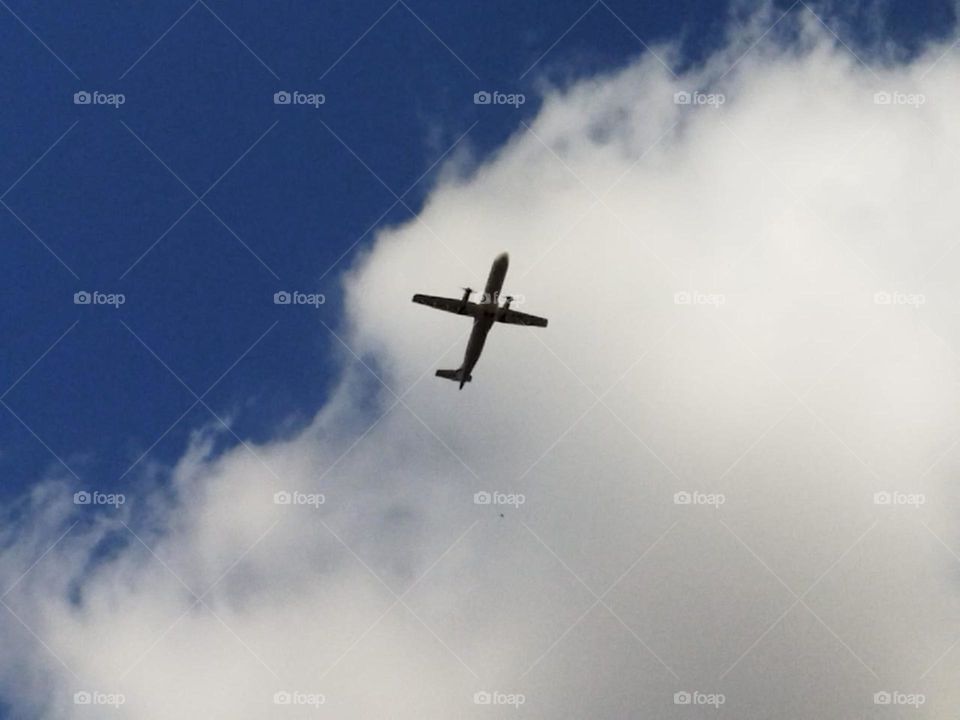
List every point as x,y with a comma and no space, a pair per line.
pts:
456,375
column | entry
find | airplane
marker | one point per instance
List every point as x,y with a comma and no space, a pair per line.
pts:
484,313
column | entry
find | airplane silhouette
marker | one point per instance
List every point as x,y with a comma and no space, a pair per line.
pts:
484,313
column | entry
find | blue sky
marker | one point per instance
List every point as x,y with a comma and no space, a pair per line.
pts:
89,206
104,198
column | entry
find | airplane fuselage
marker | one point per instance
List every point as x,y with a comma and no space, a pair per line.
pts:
486,314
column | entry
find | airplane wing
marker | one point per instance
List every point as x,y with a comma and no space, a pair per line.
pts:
518,318
458,307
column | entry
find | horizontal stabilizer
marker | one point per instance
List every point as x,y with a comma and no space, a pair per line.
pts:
454,375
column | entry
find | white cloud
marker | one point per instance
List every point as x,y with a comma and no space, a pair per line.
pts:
793,392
